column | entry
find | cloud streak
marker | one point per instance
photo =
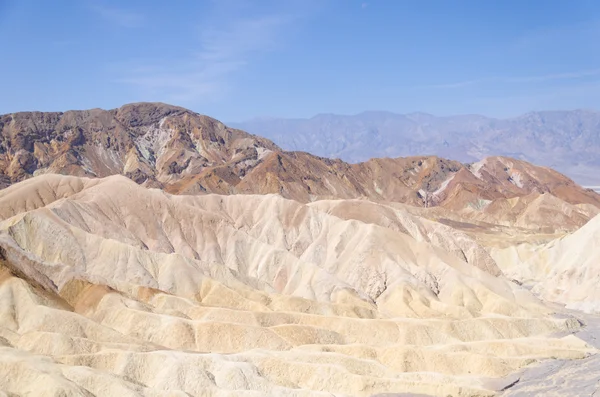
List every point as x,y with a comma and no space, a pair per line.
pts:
459,84
119,16
555,76
222,50
582,32
575,75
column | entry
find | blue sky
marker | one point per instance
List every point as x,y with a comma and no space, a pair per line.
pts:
237,59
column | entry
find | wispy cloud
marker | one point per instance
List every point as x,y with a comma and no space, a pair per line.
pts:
458,84
582,33
555,76
119,16
241,37
225,46
575,75
183,80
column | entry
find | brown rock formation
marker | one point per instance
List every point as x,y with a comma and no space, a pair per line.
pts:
159,145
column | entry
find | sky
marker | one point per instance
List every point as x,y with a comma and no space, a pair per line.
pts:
239,59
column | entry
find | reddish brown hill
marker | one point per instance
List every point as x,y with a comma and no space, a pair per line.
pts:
187,153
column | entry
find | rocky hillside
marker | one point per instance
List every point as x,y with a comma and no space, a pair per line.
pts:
158,145
150,143
108,288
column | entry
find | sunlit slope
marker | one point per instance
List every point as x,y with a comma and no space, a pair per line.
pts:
110,288
566,270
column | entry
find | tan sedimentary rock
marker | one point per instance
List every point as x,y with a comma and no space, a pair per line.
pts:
111,288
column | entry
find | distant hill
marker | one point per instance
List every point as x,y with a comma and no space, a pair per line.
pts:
568,141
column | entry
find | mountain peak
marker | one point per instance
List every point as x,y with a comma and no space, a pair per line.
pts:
146,113
153,143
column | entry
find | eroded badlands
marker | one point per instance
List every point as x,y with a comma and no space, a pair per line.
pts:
111,288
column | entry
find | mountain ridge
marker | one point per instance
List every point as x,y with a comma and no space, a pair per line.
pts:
565,140
183,152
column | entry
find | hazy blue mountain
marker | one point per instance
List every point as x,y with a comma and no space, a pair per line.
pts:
568,141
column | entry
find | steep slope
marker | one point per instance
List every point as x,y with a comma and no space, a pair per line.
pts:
565,140
109,287
419,228
183,152
565,270
104,217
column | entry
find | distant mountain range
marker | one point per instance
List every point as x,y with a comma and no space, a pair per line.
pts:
568,141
